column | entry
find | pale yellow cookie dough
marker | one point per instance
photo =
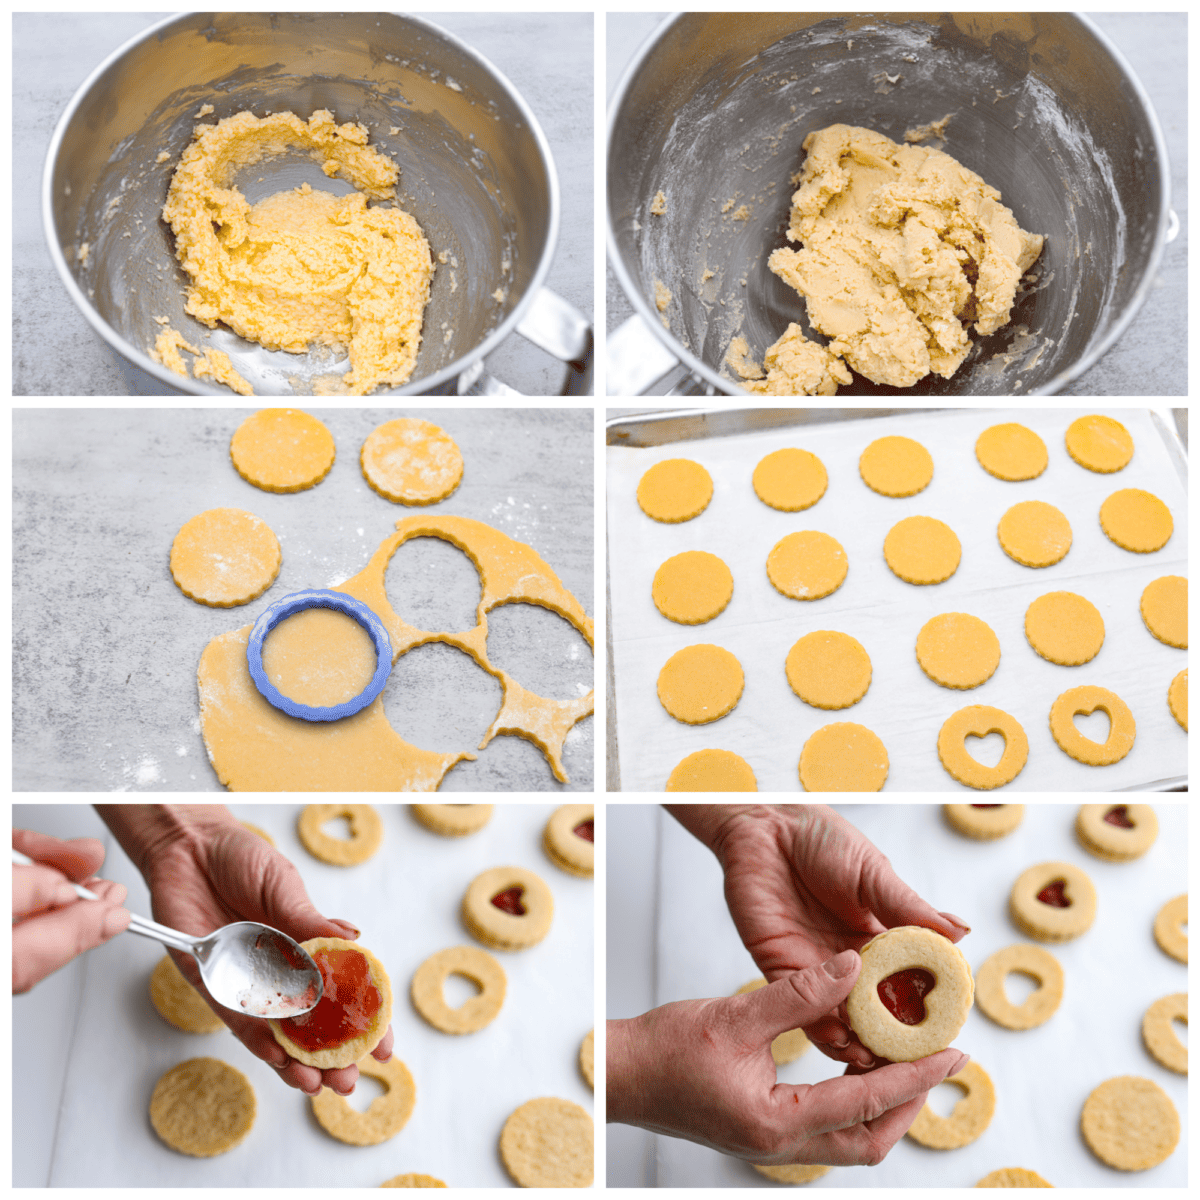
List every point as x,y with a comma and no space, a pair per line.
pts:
1099,443
319,656
366,833
1168,928
202,1107
569,839
790,1044
957,650
412,1180
225,557
790,480
1165,611
1177,698
984,822
1039,1006
587,1066
282,450
712,771
922,550
795,366
692,588
828,669
477,965
675,490
968,1120
700,683
843,757
807,565
1136,520
548,1143
1034,533
1014,1177
1086,700
793,1172
386,1115
1044,920
178,1002
1130,1123
453,820
978,720
1135,833
1158,1032
1064,628
409,461
896,466
495,926
1011,452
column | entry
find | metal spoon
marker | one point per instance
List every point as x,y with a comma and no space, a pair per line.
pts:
246,966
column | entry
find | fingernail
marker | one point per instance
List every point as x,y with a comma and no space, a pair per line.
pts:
64,894
841,965
962,1062
841,1044
343,1094
354,929
115,920
957,921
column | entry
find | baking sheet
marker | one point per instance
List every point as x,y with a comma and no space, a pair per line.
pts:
904,707
1042,1076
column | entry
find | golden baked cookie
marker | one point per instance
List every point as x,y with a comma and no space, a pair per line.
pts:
790,1044
843,757
411,1180
508,908
1165,611
225,557
1177,698
1053,902
202,1107
472,963
282,450
1064,628
978,720
1158,1032
1168,928
549,1143
1011,452
700,683
896,466
1116,832
586,1058
969,1118
957,650
387,1114
262,833
1039,1006
912,995
675,490
692,588
178,1002
1130,1123
569,839
793,1172
922,550
1099,443
807,565
712,771
1086,700
1136,520
1014,1177
790,480
409,461
366,833
453,820
1035,534
828,669
984,822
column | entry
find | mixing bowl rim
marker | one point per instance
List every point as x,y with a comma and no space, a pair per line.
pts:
425,384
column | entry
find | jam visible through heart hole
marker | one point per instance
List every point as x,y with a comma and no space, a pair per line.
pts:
346,1008
987,805
585,830
903,994
1119,816
509,901
1054,895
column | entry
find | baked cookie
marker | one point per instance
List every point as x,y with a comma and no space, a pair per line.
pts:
970,1117
1158,1032
1168,928
1011,452
282,450
453,820
674,490
828,669
366,833
1035,534
790,480
1038,1007
1116,832
978,720
1086,700
202,1107
586,1063
387,1114
922,550
508,908
1136,520
1099,443
225,557
1053,902
793,1172
790,1044
699,684
912,995
984,822
413,1181
1164,609
896,466
807,565
957,650
409,461
1015,1177
1177,698
178,1002
472,963
570,839
262,833
692,588
548,1143
843,757
712,771
1130,1123
1064,628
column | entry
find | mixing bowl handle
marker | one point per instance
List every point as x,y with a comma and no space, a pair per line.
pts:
636,358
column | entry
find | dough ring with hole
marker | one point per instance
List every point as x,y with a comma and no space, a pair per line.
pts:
674,490
828,669
1012,1177
1164,610
1039,1006
699,684
692,588
568,850
1011,452
1168,928
1130,1123
790,480
790,1044
225,557
178,1002
984,822
957,650
477,965
978,720
1046,921
1064,628
1158,1032
1035,534
282,450
807,565
1136,520
387,1115
1099,443
843,757
366,833
549,1143
946,1005
922,550
508,930
412,1180
255,747
202,1107
712,771
453,820
970,1117
1116,842
1086,700
409,461
793,1172
896,466
1177,698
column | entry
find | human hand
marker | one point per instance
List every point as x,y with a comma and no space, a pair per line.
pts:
51,924
702,1070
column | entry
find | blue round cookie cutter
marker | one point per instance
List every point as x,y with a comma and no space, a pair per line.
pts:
339,602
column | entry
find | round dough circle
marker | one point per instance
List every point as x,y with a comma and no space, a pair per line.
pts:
692,588
807,565
699,684
1012,452
896,466
1164,609
984,822
503,930
790,1044
979,720
1039,1006
793,1172
675,490
262,833
1085,700
202,1107
1035,534
1158,1032
1130,1123
922,550
1014,1177
409,461
946,1005
1177,698
970,1117
1136,520
843,757
587,1058
1168,928
564,847
957,650
1043,921
477,965
712,771
366,833
178,1002
453,820
282,450
790,480
1064,628
412,1180
1114,843
385,1117
828,669
225,557
548,1143
1099,443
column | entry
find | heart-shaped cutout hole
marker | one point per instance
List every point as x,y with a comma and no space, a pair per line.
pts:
1179,1027
1094,726
1055,894
458,989
366,1092
509,901
337,827
903,994
1018,987
1119,816
987,750
944,1098
585,830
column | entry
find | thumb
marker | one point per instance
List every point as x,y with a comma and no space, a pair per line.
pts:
804,996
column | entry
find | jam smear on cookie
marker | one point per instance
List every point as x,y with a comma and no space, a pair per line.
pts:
509,901
1119,816
585,830
347,1007
903,994
1054,894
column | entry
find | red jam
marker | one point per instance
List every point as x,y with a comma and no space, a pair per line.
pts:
585,830
509,901
987,805
1119,817
903,994
1054,895
347,1007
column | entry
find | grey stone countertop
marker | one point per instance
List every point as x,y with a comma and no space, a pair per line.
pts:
54,52
105,645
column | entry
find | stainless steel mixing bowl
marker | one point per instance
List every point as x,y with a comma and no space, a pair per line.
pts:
716,105
475,170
